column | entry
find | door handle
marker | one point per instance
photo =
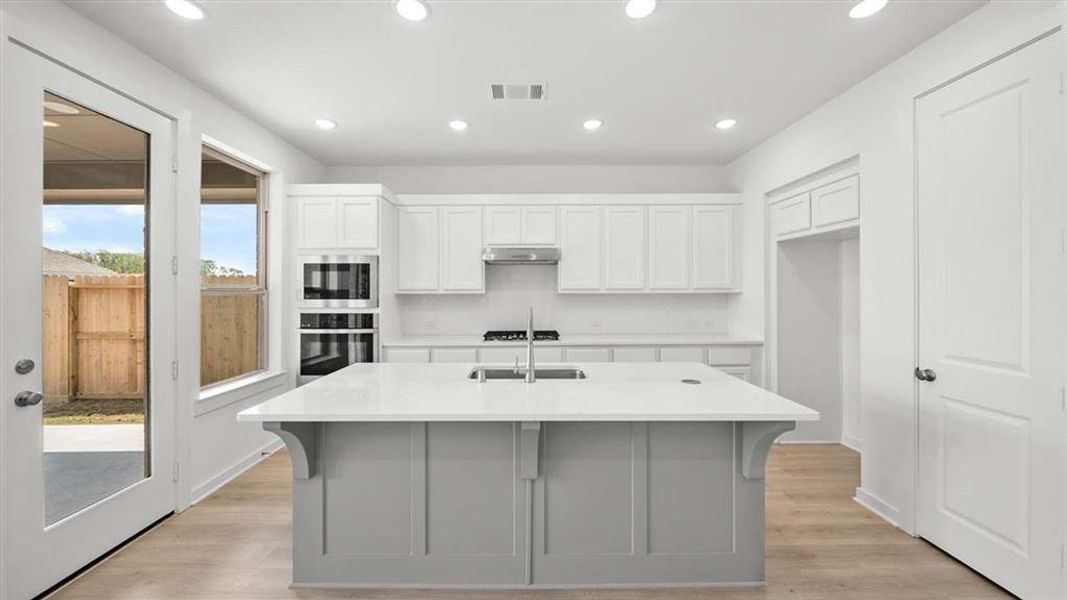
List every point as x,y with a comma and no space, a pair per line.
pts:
27,398
925,374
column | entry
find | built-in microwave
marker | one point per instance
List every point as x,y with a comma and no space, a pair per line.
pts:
338,281
330,341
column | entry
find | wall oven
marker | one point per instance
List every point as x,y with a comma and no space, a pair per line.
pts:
338,281
330,341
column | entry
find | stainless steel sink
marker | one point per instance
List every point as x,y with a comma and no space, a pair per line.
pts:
490,373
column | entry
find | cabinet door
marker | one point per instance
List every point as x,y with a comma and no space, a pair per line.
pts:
681,354
669,231
509,355
624,248
713,247
461,249
407,355
580,257
792,215
836,203
502,225
357,222
538,224
417,251
316,223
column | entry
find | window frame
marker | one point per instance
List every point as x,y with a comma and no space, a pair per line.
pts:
260,289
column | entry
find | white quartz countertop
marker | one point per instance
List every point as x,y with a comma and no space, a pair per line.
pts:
611,392
637,339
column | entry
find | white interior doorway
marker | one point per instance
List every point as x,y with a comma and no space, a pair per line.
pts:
88,312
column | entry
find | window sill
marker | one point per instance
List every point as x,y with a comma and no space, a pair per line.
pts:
224,394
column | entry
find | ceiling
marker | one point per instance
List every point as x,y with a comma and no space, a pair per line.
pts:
85,135
659,84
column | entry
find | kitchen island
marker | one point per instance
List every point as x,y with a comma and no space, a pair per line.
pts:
638,474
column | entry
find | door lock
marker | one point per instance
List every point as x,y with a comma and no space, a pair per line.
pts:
24,366
28,398
925,374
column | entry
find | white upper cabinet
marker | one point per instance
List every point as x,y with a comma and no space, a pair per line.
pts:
316,221
669,248
580,248
713,247
533,225
836,203
357,222
461,249
502,225
539,225
792,215
417,249
624,247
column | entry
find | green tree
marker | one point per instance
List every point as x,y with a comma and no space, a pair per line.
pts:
120,262
210,267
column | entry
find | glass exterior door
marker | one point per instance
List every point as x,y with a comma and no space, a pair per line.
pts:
87,318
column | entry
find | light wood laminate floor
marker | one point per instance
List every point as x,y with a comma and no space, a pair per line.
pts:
820,545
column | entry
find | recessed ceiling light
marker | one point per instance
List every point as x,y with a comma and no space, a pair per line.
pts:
458,125
592,124
866,8
185,9
48,123
61,108
325,124
639,9
725,124
412,10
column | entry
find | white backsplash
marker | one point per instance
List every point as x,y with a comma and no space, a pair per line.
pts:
510,289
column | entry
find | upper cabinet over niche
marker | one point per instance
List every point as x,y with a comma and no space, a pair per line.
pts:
821,208
337,217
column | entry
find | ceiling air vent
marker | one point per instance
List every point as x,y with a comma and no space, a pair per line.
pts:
517,91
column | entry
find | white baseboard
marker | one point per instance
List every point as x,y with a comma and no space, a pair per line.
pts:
874,504
212,485
851,441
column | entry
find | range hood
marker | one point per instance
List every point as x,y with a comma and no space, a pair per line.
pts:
520,255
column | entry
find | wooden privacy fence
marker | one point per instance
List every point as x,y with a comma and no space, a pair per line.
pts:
94,336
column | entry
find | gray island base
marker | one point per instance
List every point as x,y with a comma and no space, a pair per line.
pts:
418,475
517,504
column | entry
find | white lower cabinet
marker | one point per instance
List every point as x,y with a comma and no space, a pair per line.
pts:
681,354
407,355
455,355
582,354
744,373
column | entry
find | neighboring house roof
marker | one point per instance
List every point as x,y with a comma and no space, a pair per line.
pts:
57,263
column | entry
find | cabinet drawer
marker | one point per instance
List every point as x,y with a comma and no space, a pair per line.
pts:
729,356
455,355
792,215
407,355
635,354
681,354
587,354
836,202
512,353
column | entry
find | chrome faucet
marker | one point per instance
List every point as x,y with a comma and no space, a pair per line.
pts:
531,375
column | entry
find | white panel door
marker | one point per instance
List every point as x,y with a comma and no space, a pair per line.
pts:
417,250
71,493
991,327
713,247
580,248
502,225
624,247
316,222
462,268
669,231
357,222
538,224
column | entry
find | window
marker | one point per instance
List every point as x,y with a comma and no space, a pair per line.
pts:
233,261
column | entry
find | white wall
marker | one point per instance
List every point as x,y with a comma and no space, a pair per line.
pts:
537,179
851,405
510,289
211,445
874,121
